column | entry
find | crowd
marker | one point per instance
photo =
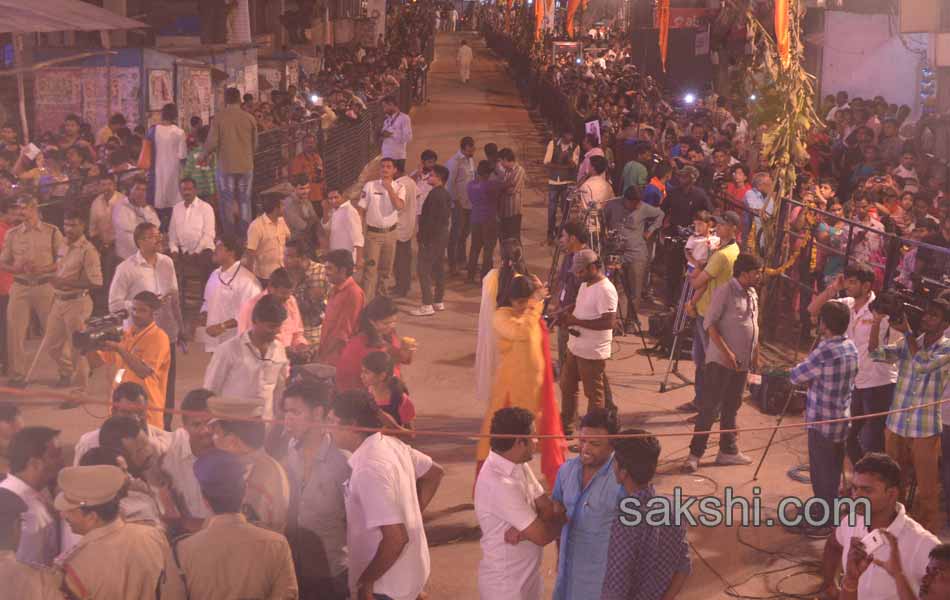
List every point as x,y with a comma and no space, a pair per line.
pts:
272,487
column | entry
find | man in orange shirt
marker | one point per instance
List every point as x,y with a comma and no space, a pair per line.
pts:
310,163
143,356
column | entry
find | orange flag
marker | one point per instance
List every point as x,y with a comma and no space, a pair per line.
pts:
571,9
538,18
783,40
508,16
663,19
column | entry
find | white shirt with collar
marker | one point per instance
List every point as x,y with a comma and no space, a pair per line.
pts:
158,439
406,226
382,491
239,370
400,126
225,294
135,275
346,229
125,218
505,495
914,542
178,463
870,373
191,230
39,538
380,210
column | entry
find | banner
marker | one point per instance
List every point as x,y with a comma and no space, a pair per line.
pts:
571,10
538,18
685,18
783,40
663,20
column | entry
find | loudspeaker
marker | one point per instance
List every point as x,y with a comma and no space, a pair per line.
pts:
773,392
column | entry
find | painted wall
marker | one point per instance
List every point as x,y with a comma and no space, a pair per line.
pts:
864,56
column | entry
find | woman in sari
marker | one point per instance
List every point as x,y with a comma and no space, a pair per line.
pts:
523,375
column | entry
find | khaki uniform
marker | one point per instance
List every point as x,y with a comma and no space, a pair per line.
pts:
231,558
121,561
78,263
21,581
29,293
268,492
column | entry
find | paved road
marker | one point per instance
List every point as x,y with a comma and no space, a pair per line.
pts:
442,383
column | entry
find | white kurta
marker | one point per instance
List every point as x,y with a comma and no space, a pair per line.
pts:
486,350
464,60
170,149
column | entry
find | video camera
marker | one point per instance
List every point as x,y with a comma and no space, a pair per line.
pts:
900,304
678,234
101,329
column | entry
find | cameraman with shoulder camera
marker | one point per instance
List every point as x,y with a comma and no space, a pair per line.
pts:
591,322
874,384
638,223
912,437
143,356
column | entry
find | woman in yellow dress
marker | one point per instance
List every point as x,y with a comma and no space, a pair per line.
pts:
523,375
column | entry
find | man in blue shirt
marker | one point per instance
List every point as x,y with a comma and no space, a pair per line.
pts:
588,489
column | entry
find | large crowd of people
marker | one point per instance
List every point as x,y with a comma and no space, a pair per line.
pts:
278,482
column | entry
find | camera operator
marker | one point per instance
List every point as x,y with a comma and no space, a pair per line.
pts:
143,356
573,240
874,384
638,223
912,438
591,323
77,272
683,201
596,190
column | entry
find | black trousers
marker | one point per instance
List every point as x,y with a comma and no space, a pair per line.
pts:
402,268
484,238
722,395
458,235
431,270
509,228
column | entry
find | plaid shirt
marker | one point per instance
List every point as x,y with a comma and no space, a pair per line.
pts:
920,380
203,174
311,309
642,560
829,370
511,197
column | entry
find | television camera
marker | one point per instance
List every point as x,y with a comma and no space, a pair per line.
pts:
109,328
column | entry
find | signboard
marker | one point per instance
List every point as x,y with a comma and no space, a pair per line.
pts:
686,18
594,128
160,91
250,79
195,94
561,50
86,91
57,93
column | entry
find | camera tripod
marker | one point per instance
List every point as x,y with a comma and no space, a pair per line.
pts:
680,323
618,277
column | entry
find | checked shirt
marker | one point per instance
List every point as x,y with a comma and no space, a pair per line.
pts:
829,370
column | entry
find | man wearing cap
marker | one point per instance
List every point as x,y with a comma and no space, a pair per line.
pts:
229,557
114,559
143,356
29,254
237,428
21,580
590,320
718,272
253,365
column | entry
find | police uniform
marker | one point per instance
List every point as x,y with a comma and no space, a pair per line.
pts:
78,263
268,490
231,558
118,560
30,293
21,580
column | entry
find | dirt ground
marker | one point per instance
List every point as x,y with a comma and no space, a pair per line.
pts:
442,381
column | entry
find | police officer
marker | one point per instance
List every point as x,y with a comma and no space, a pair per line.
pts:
78,271
29,254
237,428
229,557
114,559
21,580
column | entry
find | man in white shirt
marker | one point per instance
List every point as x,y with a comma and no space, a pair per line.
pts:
266,239
396,133
128,213
35,460
421,176
252,366
595,190
391,484
342,219
516,517
188,442
877,479
875,382
591,318
150,271
191,232
228,288
464,61
405,231
129,399
380,201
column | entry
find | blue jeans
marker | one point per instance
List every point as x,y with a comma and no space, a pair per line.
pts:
700,339
867,435
234,190
825,461
557,197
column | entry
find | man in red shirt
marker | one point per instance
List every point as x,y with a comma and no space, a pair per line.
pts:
343,306
10,217
310,163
